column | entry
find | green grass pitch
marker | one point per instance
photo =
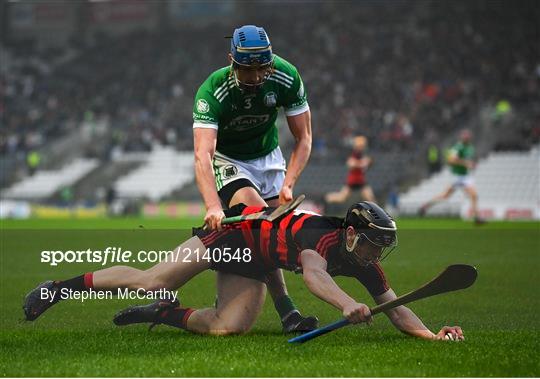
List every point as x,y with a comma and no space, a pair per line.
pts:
499,314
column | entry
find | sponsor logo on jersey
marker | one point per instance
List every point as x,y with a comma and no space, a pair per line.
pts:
247,122
198,116
270,99
202,106
298,104
229,171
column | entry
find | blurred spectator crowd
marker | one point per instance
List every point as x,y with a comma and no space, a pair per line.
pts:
403,73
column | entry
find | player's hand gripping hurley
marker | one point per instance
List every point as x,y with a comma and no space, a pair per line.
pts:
264,215
453,278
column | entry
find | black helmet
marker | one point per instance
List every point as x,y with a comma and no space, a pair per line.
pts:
372,225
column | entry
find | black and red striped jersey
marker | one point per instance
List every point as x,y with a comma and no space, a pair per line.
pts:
356,176
278,244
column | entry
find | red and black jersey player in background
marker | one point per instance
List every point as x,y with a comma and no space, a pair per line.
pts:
316,246
358,164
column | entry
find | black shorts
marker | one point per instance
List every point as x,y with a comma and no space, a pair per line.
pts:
355,187
229,252
228,191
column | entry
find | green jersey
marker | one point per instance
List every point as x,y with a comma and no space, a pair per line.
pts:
462,151
246,122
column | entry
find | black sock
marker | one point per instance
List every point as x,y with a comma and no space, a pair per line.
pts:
285,307
176,317
78,283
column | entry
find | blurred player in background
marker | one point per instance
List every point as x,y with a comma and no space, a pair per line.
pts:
237,155
319,247
461,161
358,163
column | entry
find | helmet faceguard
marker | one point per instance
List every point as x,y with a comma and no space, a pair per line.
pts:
251,51
375,233
365,250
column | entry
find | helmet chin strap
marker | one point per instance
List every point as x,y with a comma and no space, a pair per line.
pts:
353,257
245,86
355,241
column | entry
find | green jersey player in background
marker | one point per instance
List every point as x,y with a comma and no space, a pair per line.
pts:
461,161
237,155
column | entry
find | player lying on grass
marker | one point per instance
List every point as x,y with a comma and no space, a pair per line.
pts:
317,246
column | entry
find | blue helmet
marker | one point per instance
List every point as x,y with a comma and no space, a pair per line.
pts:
250,46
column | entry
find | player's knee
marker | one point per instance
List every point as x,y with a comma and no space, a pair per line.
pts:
240,329
230,330
223,327
219,332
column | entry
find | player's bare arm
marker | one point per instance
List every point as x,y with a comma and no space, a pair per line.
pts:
204,140
359,163
321,284
300,127
406,321
366,162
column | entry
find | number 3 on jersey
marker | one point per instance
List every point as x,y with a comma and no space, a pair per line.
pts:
247,102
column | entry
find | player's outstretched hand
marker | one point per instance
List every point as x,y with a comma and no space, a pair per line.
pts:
285,195
357,312
213,217
450,333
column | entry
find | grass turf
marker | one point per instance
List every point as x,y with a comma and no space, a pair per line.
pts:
499,314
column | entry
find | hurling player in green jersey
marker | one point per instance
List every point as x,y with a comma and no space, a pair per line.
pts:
237,155
461,161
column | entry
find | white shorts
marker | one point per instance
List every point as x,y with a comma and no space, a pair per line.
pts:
266,173
462,181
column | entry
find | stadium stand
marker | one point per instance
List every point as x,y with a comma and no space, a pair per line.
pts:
46,182
413,74
320,178
164,171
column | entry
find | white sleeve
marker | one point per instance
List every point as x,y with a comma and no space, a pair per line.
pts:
205,125
296,111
